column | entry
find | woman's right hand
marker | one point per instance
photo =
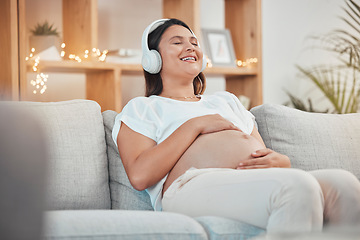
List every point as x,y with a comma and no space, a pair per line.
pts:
213,123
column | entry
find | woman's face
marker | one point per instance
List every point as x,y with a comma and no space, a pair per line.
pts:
180,52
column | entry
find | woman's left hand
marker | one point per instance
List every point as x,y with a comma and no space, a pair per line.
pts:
265,158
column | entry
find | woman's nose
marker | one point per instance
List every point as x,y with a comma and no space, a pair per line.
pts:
190,47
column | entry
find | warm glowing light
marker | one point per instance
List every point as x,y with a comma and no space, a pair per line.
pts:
247,62
96,53
77,58
41,78
209,63
102,58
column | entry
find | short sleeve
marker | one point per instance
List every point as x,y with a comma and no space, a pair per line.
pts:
246,116
138,116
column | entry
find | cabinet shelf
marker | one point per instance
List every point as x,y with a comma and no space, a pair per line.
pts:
72,66
68,66
103,79
231,71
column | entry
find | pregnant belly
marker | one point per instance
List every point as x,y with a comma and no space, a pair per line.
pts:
225,149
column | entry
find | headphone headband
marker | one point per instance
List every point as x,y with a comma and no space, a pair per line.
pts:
148,30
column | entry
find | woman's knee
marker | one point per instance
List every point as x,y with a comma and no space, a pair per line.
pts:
342,196
298,197
339,180
339,185
303,187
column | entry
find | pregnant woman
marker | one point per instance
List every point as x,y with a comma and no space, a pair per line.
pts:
202,154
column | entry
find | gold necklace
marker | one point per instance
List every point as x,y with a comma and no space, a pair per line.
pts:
193,97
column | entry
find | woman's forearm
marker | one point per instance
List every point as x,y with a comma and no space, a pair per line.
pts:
148,165
153,164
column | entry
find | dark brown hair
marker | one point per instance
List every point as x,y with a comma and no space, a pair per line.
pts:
153,82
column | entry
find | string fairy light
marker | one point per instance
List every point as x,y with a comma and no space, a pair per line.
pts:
239,63
62,54
95,54
40,82
209,63
247,62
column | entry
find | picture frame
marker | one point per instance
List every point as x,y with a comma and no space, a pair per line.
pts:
219,47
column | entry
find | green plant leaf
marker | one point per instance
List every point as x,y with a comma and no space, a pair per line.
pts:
333,81
44,29
334,86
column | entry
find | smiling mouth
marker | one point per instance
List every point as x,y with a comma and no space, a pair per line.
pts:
188,59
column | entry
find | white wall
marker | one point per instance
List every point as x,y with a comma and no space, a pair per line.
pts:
286,24
212,16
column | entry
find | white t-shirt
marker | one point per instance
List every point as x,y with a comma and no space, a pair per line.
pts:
158,117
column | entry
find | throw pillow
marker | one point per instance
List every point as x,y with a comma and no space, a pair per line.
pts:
311,140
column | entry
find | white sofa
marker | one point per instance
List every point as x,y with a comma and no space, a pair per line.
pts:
89,195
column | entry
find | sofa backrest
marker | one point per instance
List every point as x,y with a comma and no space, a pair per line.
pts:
123,195
311,140
77,176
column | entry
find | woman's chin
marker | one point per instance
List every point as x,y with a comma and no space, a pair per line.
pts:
194,71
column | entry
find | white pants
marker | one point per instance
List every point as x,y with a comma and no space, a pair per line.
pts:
276,199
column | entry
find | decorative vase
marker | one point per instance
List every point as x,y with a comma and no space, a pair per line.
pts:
41,43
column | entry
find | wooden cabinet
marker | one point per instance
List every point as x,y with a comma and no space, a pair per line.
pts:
9,67
243,18
103,80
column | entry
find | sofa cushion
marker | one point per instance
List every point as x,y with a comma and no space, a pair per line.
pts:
77,165
22,174
218,228
120,224
311,140
123,195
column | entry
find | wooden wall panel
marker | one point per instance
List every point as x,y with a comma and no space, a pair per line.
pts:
243,19
80,25
186,10
9,70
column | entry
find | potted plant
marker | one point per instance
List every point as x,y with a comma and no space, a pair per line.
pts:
44,36
340,83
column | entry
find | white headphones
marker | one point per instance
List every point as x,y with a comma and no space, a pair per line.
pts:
151,59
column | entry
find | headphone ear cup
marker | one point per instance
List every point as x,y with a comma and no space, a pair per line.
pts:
151,61
204,63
